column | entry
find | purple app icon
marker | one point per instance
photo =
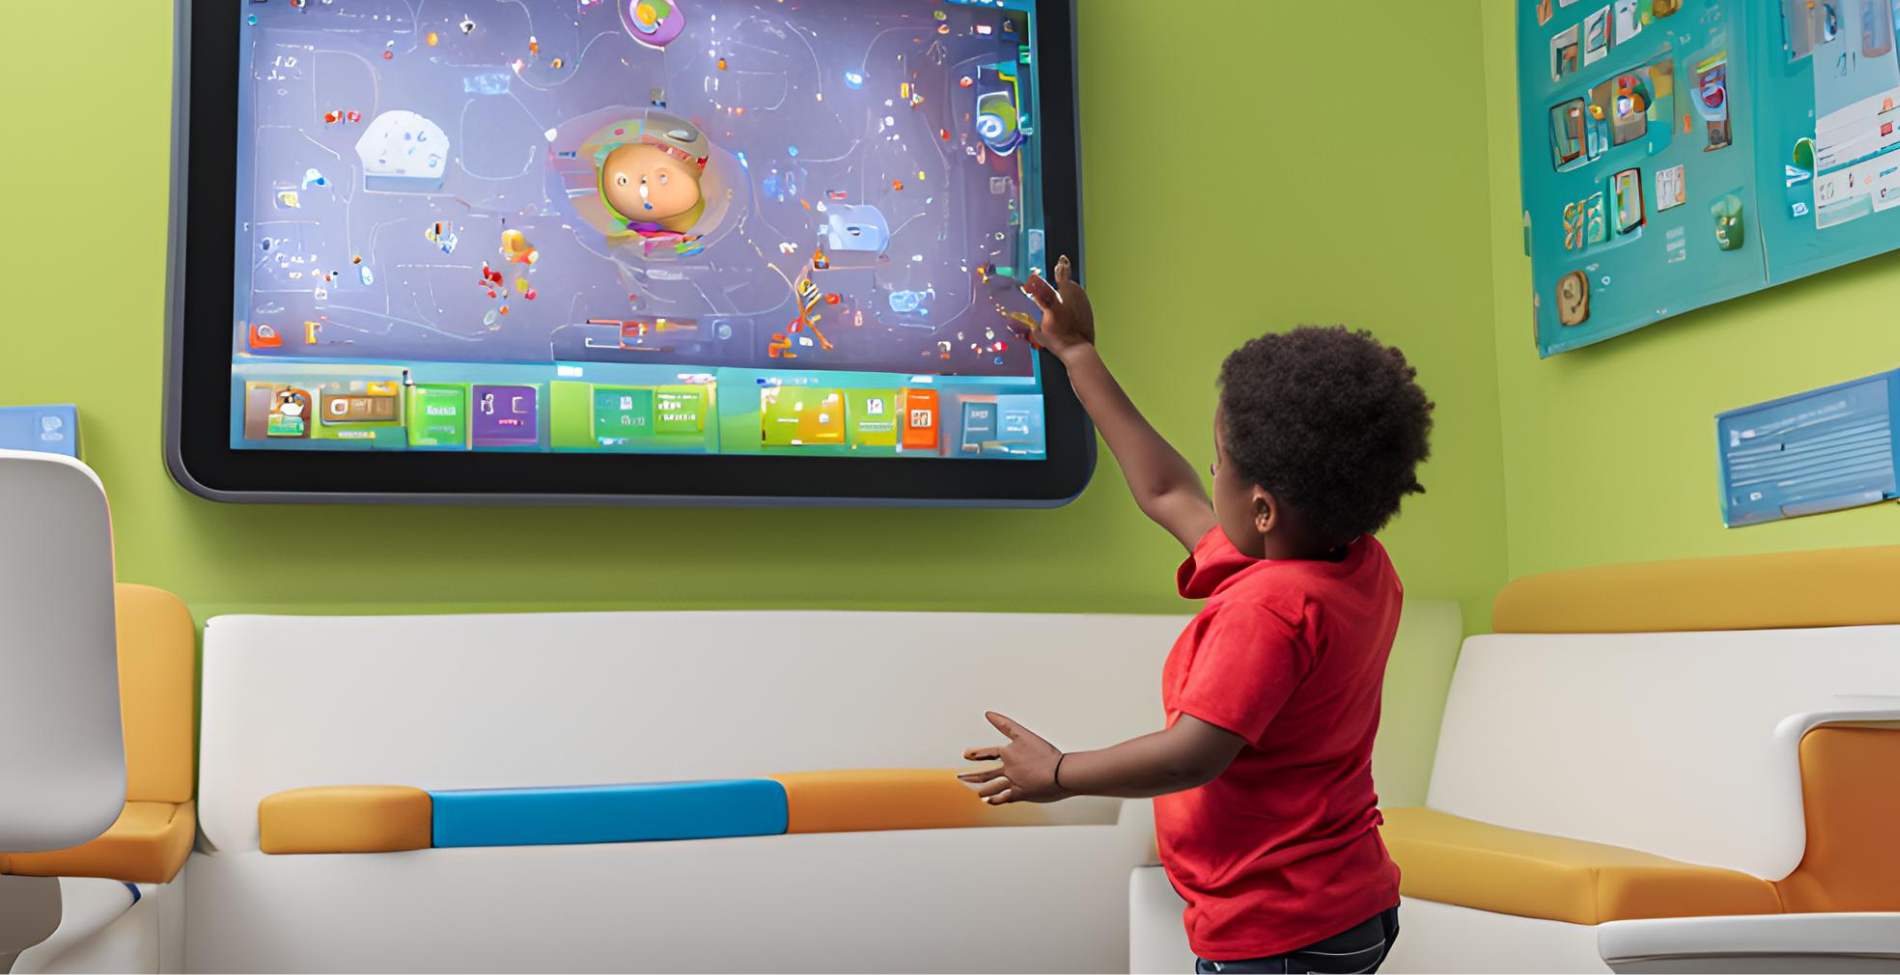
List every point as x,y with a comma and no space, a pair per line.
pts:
506,416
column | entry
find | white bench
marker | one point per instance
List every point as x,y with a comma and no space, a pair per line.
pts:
580,699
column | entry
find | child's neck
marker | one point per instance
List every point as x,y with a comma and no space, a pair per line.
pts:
1293,539
1304,553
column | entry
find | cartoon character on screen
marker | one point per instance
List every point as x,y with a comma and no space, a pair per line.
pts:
289,414
651,183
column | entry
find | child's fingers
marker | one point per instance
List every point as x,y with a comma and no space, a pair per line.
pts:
978,778
996,788
1004,799
1041,292
1063,271
990,753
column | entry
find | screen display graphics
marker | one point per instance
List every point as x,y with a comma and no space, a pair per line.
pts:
684,227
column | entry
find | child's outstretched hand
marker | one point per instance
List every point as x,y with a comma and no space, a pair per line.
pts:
1068,322
1029,763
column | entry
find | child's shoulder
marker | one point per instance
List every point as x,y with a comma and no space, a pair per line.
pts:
1291,589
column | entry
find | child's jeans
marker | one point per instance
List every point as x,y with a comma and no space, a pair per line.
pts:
1362,949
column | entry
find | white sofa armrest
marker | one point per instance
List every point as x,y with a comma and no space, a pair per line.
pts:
1797,940
1849,709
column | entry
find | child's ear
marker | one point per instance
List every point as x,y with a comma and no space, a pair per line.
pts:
1264,510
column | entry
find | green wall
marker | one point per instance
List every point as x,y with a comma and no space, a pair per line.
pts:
1222,201
1237,181
1609,452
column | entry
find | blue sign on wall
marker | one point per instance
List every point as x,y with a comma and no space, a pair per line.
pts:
1810,453
1679,153
50,429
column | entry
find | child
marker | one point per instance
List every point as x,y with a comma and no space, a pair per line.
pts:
1262,780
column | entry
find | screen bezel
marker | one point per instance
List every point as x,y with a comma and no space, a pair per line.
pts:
198,398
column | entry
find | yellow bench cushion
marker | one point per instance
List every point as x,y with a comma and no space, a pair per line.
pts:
887,799
346,819
147,845
158,678
1776,591
1462,862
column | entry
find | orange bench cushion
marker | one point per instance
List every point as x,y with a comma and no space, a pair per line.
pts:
1775,591
157,683
1462,862
147,845
885,799
346,819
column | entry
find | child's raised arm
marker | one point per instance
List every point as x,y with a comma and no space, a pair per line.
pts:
1165,485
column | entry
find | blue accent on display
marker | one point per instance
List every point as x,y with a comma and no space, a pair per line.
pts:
47,429
979,426
609,814
1020,425
1810,453
134,888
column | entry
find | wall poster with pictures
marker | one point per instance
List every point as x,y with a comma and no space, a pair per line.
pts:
1680,153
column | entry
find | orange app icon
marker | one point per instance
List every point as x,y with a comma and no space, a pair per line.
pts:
920,419
266,337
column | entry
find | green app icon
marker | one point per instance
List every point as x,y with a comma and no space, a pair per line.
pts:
438,416
571,416
872,417
801,416
679,411
622,414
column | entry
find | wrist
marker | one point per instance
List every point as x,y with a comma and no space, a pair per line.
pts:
1060,788
1078,352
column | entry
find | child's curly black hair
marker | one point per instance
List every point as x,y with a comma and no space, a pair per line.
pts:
1330,421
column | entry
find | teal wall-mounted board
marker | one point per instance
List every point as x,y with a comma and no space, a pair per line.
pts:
1679,153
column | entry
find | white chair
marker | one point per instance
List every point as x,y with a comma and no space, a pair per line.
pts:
62,752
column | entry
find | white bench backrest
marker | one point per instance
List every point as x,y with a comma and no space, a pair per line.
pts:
597,698
1665,742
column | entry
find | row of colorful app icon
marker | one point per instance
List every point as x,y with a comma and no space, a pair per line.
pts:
587,416
461,416
802,416
904,420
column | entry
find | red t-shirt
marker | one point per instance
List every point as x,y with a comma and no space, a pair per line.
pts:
1283,849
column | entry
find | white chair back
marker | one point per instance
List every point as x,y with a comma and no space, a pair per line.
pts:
62,753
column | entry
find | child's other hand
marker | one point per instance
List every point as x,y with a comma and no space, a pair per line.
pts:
1029,763
1068,322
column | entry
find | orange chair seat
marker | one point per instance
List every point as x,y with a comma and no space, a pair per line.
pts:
1451,860
148,845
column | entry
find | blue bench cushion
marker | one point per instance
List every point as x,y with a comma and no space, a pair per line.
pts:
609,813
